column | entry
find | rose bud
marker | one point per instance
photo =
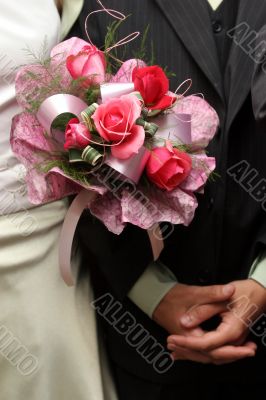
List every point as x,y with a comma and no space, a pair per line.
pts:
89,63
153,85
168,167
77,135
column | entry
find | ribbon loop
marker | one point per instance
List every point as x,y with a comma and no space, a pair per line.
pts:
87,114
91,156
56,105
75,156
150,127
113,90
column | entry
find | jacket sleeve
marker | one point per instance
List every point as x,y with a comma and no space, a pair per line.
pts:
258,86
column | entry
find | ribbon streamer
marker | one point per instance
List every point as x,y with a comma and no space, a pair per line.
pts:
82,200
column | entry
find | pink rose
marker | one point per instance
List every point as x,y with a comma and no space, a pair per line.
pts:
88,63
115,122
77,135
168,167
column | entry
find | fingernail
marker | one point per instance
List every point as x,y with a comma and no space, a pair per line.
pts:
171,347
186,320
228,289
252,354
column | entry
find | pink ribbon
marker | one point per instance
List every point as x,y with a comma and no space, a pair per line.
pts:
131,168
112,90
81,201
174,127
57,105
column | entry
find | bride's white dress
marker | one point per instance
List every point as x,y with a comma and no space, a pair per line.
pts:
48,341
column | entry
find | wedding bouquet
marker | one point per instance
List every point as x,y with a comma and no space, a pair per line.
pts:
137,148
121,135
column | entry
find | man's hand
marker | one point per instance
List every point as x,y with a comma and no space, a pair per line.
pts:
180,300
228,342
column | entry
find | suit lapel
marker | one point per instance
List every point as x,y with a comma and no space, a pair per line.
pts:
240,65
190,20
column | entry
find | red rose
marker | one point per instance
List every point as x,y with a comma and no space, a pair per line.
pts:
88,63
168,167
153,85
77,135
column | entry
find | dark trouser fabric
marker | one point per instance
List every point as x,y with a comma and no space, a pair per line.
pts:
131,387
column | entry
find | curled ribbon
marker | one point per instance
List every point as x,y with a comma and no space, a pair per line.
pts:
56,105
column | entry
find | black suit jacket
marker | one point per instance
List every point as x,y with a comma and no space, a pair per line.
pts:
229,229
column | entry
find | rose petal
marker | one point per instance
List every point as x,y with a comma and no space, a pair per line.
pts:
75,64
94,68
165,102
151,82
115,118
159,157
131,144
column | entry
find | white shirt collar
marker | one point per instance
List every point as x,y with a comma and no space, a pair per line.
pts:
215,3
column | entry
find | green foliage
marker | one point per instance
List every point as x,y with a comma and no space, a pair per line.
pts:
168,73
214,176
141,53
115,57
75,171
62,120
111,38
92,94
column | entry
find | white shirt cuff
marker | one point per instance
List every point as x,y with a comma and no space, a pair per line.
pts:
152,286
258,269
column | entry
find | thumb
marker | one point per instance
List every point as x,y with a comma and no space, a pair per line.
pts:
214,293
199,314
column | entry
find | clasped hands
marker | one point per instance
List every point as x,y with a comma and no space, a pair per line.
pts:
185,308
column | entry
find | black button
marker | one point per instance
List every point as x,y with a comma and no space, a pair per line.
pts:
217,26
211,203
205,276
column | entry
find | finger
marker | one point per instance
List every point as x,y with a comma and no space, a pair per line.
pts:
231,353
214,294
183,354
225,333
252,345
223,355
226,352
197,315
198,332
